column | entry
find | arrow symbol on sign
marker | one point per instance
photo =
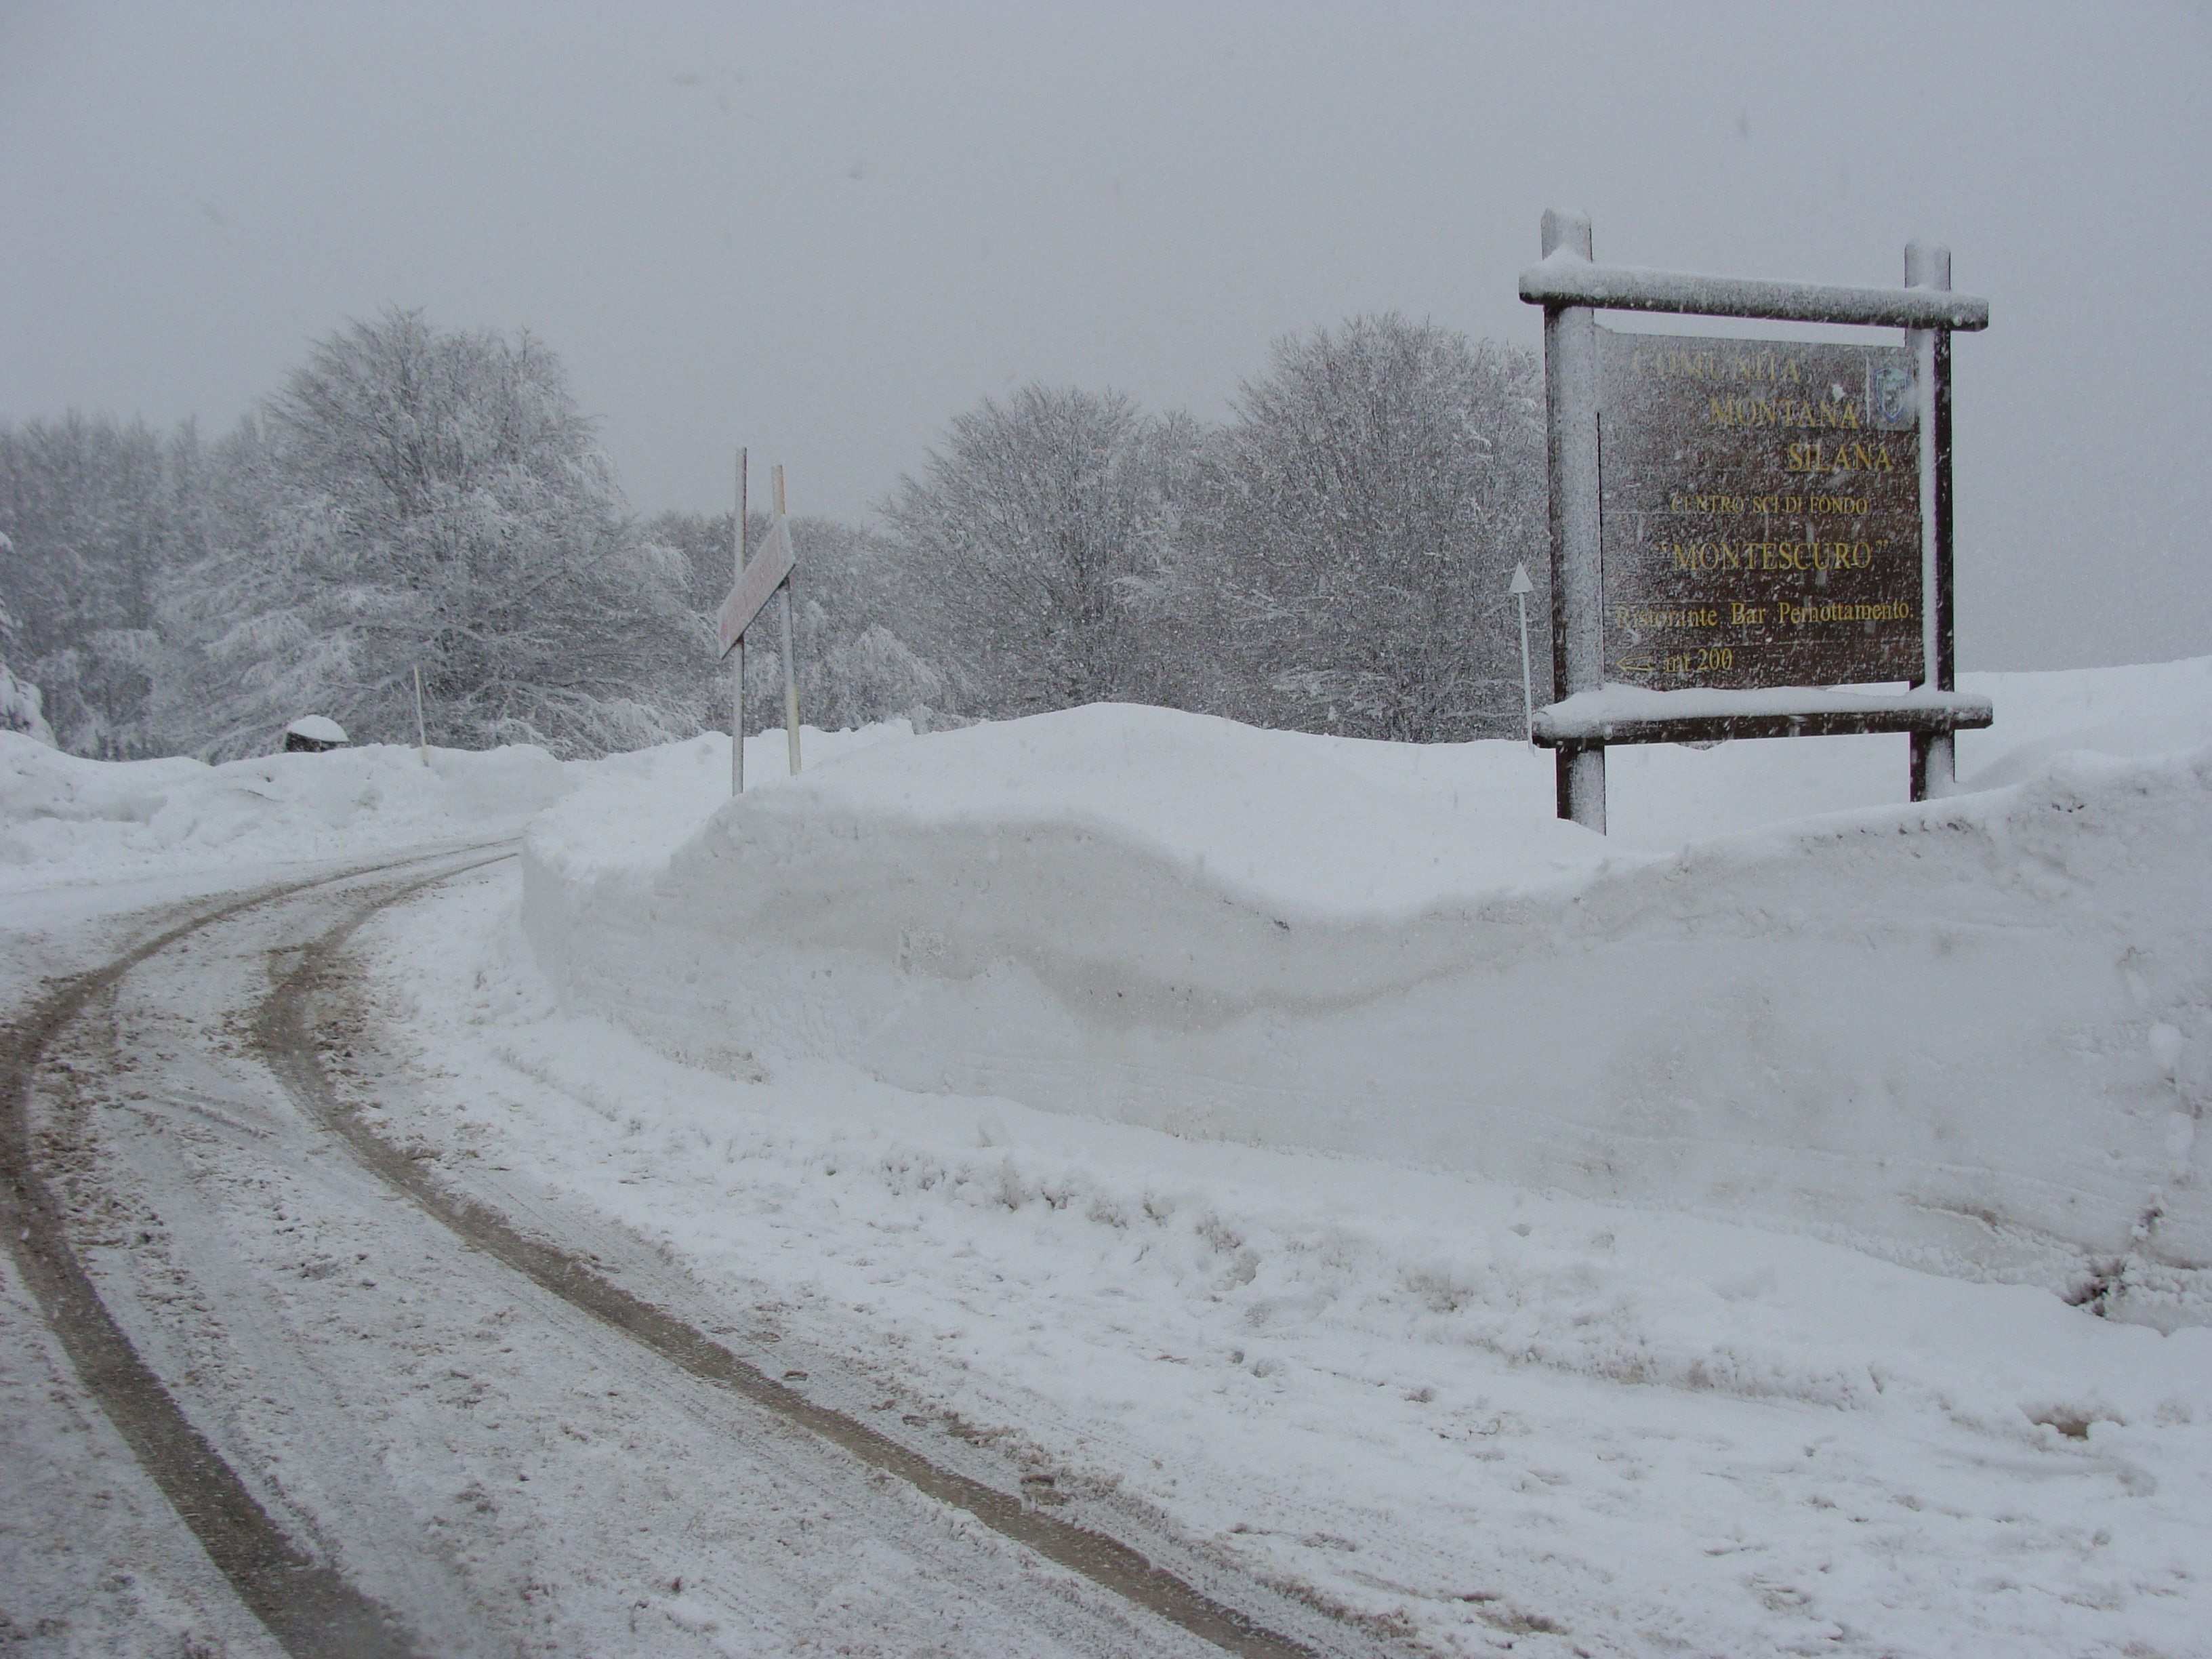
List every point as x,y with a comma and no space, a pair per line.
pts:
1521,587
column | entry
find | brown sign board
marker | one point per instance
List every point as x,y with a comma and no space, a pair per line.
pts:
1761,512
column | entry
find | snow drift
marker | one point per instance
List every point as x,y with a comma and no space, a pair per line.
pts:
65,819
1973,1032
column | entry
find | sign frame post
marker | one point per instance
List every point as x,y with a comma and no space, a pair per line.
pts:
790,665
1570,443
1934,753
1588,712
759,580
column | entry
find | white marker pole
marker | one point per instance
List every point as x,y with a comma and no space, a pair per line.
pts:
421,743
738,652
790,668
1521,589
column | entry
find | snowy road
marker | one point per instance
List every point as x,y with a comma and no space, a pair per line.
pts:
568,1258
399,1420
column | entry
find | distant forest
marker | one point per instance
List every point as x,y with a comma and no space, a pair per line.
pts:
1333,557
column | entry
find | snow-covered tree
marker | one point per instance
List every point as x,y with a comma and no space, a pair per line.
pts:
1363,516
1032,543
21,709
93,510
415,498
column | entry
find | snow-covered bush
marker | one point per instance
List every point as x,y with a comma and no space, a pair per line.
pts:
1035,538
414,499
1361,517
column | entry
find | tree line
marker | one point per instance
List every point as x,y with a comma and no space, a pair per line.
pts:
1331,557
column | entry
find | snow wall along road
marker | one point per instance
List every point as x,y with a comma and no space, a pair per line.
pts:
1971,1034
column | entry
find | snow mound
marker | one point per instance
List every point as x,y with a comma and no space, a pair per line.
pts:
2139,711
64,818
1972,1033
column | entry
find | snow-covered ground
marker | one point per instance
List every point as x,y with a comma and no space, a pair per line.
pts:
1655,1244
1970,1034
67,820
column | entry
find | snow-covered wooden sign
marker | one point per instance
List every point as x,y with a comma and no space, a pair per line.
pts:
764,574
1740,526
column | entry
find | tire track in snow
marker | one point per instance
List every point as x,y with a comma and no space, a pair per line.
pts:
312,1611
285,1034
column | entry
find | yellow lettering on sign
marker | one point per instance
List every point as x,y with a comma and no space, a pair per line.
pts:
1682,501
1781,411
1813,456
1722,554
1703,660
1826,611
1652,616
1674,362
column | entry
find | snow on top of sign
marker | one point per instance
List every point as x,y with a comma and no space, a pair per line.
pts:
1612,701
1564,276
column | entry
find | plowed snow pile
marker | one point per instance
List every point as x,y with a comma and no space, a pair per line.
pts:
1971,1034
63,818
69,825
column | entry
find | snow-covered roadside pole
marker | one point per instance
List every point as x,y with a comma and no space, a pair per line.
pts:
1570,381
1934,764
737,667
758,580
421,740
1521,589
790,664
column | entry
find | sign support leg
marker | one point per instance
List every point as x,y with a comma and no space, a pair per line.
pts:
738,653
790,663
1935,766
790,680
1571,375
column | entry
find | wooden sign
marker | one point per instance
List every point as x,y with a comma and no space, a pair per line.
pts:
1741,526
1761,512
764,574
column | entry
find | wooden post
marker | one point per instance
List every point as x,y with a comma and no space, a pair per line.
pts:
1571,380
1934,763
737,671
422,741
790,666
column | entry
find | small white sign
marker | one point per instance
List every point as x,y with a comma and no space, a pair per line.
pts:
764,574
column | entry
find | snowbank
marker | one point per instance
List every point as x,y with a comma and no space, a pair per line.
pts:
1974,1032
64,818
66,822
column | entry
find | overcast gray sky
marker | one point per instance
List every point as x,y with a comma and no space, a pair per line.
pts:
822,230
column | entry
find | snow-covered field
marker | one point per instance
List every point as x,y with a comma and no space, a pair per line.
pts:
1656,1244
1970,1034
